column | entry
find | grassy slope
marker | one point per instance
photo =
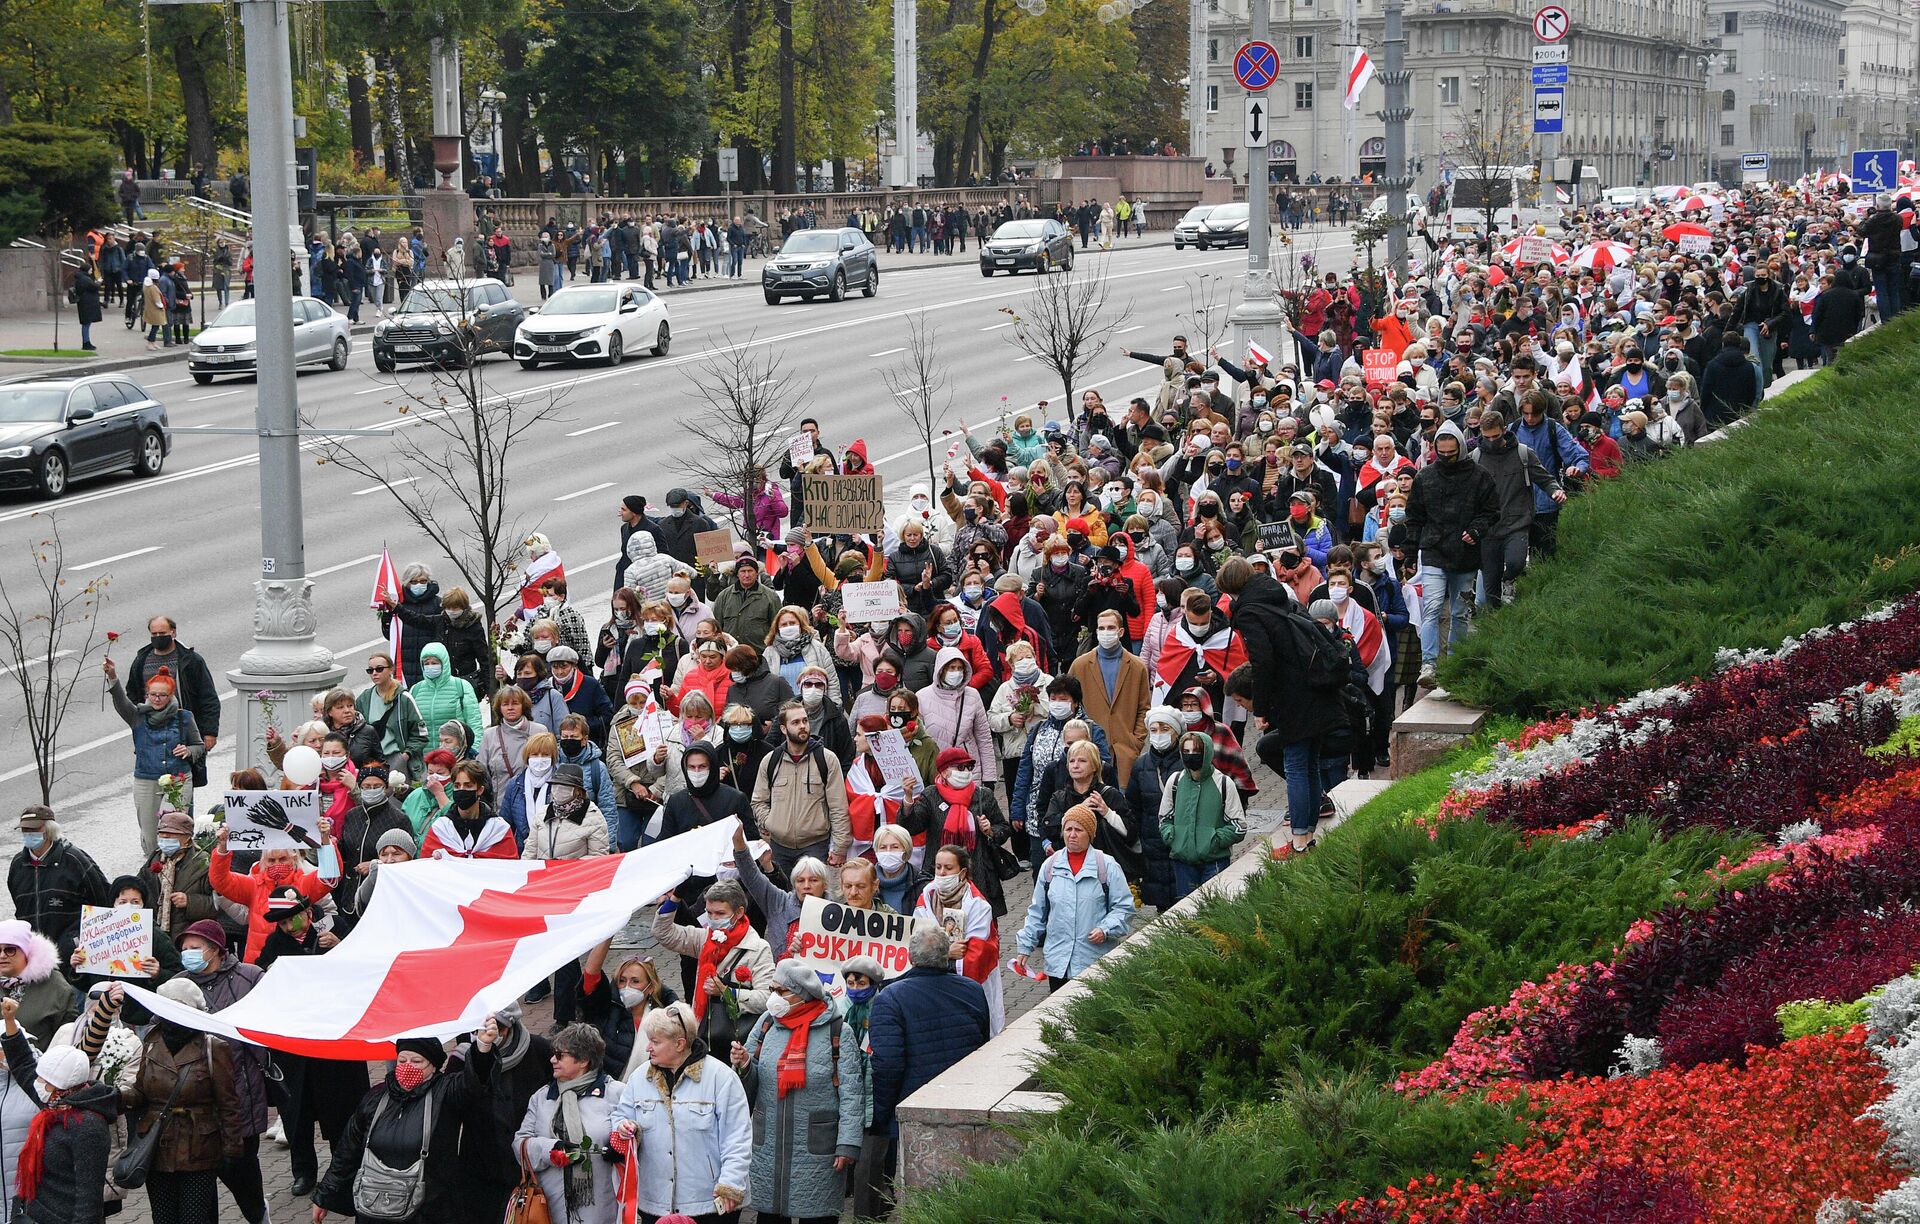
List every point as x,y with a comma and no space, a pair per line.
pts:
1804,517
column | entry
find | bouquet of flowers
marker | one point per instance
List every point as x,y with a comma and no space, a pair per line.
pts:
118,1056
173,786
1026,699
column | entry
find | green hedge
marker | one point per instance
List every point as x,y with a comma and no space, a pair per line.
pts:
1804,517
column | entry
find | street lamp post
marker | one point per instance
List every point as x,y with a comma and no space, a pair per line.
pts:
1397,112
1259,316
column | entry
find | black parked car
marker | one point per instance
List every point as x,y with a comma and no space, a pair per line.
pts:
448,322
1038,245
55,430
816,261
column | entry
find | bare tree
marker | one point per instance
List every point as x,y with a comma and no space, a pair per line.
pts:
919,383
1067,324
1209,299
49,632
1495,137
446,464
749,410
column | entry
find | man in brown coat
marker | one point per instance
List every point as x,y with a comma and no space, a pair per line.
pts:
1117,689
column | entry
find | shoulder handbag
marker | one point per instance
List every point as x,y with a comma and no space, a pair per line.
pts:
1006,864
131,1169
528,1202
381,1192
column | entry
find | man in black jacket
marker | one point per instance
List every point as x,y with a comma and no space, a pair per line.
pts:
196,688
1727,385
1762,313
51,878
1453,507
1880,231
683,521
1292,714
1837,315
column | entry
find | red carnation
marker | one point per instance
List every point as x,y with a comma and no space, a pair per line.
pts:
743,974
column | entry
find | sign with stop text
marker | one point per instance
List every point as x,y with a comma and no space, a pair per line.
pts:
1378,365
831,933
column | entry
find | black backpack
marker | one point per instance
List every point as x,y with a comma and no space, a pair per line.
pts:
1322,662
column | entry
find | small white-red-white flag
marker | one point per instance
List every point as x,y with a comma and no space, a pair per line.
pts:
1257,355
386,593
1358,76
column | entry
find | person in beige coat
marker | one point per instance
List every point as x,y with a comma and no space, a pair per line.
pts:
1117,689
153,308
572,827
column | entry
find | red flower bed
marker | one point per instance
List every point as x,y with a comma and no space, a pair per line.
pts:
1611,1194
1766,1143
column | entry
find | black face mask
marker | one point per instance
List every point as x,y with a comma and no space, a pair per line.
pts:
1193,760
1076,541
1209,511
897,720
571,747
162,642
464,799
1214,469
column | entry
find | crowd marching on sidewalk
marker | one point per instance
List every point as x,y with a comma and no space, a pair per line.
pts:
1091,630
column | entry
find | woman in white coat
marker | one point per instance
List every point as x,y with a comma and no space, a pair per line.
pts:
565,1132
688,1113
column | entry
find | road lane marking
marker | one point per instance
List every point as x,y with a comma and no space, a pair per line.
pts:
138,552
583,492
218,395
380,488
334,569
592,429
887,352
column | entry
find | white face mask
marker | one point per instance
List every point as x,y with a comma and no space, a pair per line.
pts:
1108,638
954,678
539,767
632,996
1184,564
542,645
653,628
812,695
789,633
959,777
891,861
1060,709
697,778
778,1006
333,763
677,598
1337,591
738,677
948,886
1161,740
1190,717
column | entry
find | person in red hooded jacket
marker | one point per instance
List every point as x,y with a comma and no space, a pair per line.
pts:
1012,617
276,869
856,463
1141,577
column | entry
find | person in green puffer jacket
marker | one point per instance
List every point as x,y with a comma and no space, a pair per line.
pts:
441,696
1201,819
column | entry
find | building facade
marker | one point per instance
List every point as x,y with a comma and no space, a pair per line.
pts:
1635,100
1776,86
1877,80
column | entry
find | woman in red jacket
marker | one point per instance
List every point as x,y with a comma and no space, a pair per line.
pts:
944,628
275,869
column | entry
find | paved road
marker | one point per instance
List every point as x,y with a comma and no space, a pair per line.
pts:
187,542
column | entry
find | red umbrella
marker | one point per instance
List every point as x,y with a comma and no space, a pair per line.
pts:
1685,229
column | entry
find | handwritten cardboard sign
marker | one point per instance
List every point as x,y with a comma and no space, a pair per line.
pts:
843,505
115,939
890,753
866,603
272,820
715,548
831,933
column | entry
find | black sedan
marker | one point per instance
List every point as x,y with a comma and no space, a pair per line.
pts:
1033,244
56,430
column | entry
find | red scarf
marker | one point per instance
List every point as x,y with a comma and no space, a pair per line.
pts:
712,952
959,829
793,1059
33,1153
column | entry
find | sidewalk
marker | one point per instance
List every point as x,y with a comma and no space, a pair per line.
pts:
123,349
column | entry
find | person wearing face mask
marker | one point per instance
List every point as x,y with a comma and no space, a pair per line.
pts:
753,684
1117,688
193,680
166,743
422,618
578,693
617,1005
58,1130
959,809
946,631
51,880
1016,709
1060,589
1453,507
1082,904
619,651
911,646
531,676
688,611
275,869
1046,748
827,725
420,1108
394,846
373,814
176,877
685,519
1516,472
1762,314
439,695
467,826
1158,762
792,645
525,797
30,977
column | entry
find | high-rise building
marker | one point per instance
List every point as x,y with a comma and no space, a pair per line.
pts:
1634,104
1876,76
1775,83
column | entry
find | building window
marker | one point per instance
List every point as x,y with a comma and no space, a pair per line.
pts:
1726,133
1213,50
1843,57
1303,46
1303,96
1726,100
1729,23
1450,40
1449,91
1213,98
1730,64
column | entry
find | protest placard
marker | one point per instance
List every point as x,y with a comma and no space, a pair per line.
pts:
272,820
115,939
1276,535
864,603
831,933
800,450
1535,249
714,548
889,749
1377,364
843,505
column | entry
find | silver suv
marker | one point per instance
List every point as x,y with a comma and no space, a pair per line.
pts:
816,261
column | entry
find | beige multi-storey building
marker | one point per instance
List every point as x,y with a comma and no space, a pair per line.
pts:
1775,83
1635,101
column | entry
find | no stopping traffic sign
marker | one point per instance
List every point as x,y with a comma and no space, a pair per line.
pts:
1256,65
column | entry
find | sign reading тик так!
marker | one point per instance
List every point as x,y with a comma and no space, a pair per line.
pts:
843,505
831,933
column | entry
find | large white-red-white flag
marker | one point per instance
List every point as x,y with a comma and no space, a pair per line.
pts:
448,942
1358,76
386,593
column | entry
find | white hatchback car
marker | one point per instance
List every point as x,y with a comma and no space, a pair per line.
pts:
593,323
321,335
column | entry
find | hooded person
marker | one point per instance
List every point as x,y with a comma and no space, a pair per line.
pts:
441,696
60,1166
647,569
703,800
29,975
1200,815
1453,507
907,641
1011,617
1158,761
955,716
1196,714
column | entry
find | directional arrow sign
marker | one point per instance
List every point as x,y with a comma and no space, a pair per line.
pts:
1257,127
1551,23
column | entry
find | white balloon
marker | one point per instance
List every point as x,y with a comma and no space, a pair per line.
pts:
301,765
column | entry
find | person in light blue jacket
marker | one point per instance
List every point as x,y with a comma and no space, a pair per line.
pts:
1082,904
688,1113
